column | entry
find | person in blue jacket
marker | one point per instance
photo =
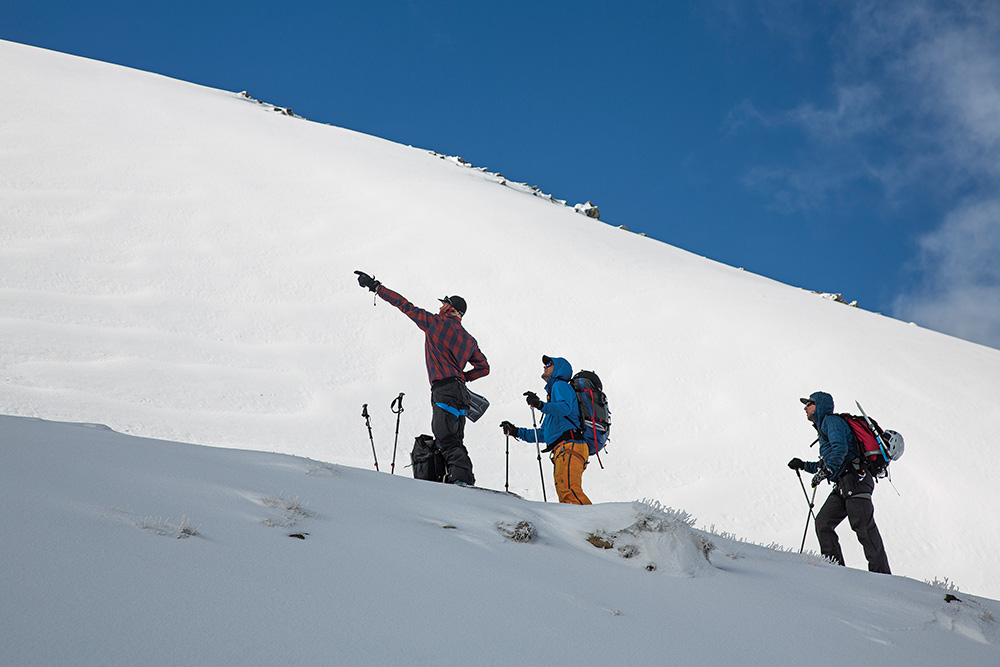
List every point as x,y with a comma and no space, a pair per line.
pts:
560,430
851,497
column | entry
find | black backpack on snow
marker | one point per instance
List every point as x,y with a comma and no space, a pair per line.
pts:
427,460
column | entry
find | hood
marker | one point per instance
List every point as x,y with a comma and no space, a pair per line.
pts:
561,370
824,406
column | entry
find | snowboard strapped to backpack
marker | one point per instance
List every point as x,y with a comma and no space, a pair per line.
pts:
595,415
877,448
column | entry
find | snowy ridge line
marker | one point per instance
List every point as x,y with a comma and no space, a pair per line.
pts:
836,298
588,209
282,110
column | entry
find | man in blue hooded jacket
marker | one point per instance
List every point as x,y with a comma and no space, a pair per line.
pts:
851,497
559,429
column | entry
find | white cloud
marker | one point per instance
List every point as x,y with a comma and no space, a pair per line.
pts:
916,111
961,286
860,110
949,59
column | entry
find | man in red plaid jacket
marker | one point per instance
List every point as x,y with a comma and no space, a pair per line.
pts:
448,349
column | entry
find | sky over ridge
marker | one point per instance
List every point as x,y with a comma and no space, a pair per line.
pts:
917,90
843,146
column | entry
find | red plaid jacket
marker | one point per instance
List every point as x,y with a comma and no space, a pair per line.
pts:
448,347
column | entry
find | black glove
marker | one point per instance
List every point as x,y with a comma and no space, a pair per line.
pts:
508,428
531,398
796,464
820,476
368,281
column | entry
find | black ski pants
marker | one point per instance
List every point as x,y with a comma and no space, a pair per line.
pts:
851,498
449,401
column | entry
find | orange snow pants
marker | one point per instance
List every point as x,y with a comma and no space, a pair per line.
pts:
570,459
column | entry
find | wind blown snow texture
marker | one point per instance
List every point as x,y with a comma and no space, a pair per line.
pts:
178,264
129,551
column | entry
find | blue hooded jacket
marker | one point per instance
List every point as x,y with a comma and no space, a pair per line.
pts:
560,413
836,440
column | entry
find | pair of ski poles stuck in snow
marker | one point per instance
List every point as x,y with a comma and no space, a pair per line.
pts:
397,409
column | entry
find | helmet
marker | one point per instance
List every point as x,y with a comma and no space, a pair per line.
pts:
893,444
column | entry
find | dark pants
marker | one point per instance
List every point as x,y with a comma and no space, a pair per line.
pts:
449,428
851,498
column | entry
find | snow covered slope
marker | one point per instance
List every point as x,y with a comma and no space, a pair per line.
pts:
177,263
127,551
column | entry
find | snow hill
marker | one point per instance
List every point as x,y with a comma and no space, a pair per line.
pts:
126,551
177,264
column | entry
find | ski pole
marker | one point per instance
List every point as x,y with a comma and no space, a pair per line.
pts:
397,401
368,423
811,505
506,483
534,424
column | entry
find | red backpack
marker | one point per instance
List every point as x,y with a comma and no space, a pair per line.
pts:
871,455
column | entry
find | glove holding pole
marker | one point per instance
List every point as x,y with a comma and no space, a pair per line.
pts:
798,464
531,398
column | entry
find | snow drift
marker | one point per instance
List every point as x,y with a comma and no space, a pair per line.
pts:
129,551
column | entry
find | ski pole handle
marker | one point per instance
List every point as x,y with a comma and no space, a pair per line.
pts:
364,411
399,400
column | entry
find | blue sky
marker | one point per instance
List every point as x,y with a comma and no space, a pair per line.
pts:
841,146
